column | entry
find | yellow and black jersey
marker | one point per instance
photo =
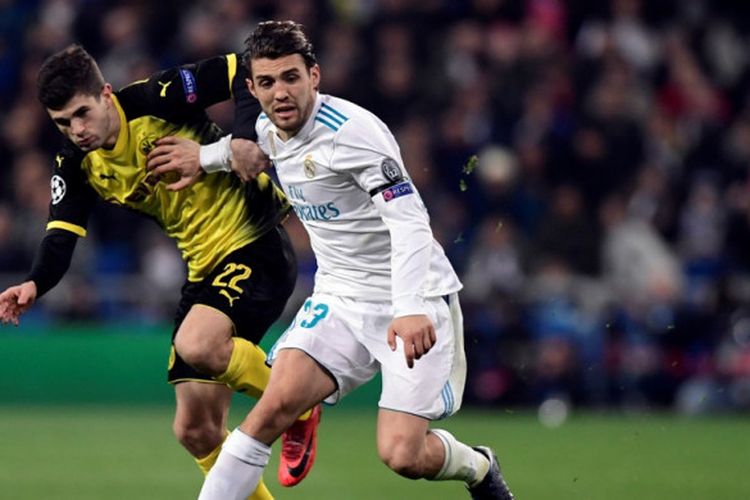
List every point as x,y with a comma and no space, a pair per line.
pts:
210,219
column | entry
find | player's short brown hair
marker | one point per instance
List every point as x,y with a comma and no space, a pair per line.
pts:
65,74
274,39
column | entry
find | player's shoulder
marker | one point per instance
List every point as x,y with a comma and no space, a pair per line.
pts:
139,95
150,96
171,93
344,117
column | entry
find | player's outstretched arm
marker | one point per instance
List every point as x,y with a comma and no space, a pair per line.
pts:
51,263
15,301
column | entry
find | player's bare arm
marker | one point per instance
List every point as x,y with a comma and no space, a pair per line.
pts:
15,301
418,334
176,154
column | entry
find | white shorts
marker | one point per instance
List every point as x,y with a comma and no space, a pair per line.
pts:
348,338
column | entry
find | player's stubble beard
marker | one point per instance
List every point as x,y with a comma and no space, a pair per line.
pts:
304,115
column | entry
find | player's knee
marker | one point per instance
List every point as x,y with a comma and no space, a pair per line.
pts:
400,457
198,438
204,358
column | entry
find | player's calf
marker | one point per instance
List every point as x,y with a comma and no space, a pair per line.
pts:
403,457
199,439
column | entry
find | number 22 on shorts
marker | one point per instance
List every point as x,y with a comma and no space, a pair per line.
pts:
315,313
243,273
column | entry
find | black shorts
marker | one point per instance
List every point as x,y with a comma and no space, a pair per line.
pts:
251,286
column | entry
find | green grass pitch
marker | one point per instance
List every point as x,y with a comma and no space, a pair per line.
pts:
95,453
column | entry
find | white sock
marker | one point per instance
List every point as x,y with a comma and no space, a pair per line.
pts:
461,461
237,470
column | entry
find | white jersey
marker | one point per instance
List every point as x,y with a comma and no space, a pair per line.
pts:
368,227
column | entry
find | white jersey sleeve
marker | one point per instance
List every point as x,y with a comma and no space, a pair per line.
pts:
217,156
375,162
411,250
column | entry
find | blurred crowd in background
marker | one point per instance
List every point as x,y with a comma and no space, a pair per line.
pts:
585,164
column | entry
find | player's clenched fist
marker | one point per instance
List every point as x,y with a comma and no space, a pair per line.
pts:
247,159
15,301
418,334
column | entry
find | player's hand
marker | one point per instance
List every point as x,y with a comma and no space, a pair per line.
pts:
15,301
176,154
418,334
247,159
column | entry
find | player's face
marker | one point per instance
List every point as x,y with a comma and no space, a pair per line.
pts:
90,122
286,90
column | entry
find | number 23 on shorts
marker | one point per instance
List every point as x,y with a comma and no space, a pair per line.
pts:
314,313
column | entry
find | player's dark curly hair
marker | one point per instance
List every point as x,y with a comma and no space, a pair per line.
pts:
65,74
274,39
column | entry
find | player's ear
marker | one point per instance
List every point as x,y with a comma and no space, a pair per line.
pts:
315,76
250,86
106,91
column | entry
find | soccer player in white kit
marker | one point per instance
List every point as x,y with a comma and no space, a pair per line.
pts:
385,296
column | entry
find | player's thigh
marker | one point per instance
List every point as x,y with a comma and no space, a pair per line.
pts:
297,377
204,330
242,296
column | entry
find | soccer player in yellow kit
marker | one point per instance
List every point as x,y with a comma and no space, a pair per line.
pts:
241,267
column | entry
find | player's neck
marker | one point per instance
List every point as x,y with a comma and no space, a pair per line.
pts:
114,129
285,135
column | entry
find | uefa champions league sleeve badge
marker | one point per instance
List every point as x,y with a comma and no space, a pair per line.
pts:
390,170
58,186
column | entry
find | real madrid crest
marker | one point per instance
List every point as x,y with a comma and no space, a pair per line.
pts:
309,167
